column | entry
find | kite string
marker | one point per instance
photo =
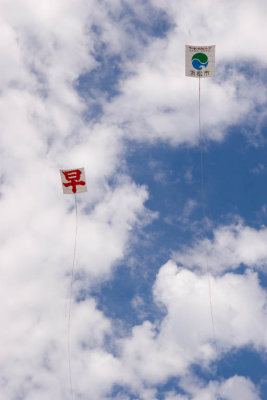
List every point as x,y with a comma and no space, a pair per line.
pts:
204,208
70,296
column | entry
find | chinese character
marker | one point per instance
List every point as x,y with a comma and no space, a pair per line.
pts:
199,73
73,178
206,73
192,73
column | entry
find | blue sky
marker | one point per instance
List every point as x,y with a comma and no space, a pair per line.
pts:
101,85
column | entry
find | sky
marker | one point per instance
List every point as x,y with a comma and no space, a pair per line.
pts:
166,304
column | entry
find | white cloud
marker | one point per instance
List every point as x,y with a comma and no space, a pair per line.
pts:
44,50
238,319
259,169
37,247
236,387
157,101
158,351
239,387
104,235
220,23
231,246
174,396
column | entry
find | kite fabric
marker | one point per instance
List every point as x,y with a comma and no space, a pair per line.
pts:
199,61
73,181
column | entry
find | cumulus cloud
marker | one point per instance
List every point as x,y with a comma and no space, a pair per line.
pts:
230,247
183,292
230,389
156,101
156,352
45,52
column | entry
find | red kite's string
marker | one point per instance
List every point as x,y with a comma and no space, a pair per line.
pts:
204,208
70,296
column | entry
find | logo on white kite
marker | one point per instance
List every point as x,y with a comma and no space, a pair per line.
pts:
200,60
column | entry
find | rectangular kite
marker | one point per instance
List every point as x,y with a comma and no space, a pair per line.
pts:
73,181
199,61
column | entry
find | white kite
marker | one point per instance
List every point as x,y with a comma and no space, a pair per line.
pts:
199,61
73,181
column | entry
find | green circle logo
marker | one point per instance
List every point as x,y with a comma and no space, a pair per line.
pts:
200,60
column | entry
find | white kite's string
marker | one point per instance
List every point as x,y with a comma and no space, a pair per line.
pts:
70,296
204,208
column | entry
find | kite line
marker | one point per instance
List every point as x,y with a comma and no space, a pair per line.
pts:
70,295
204,213
73,182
